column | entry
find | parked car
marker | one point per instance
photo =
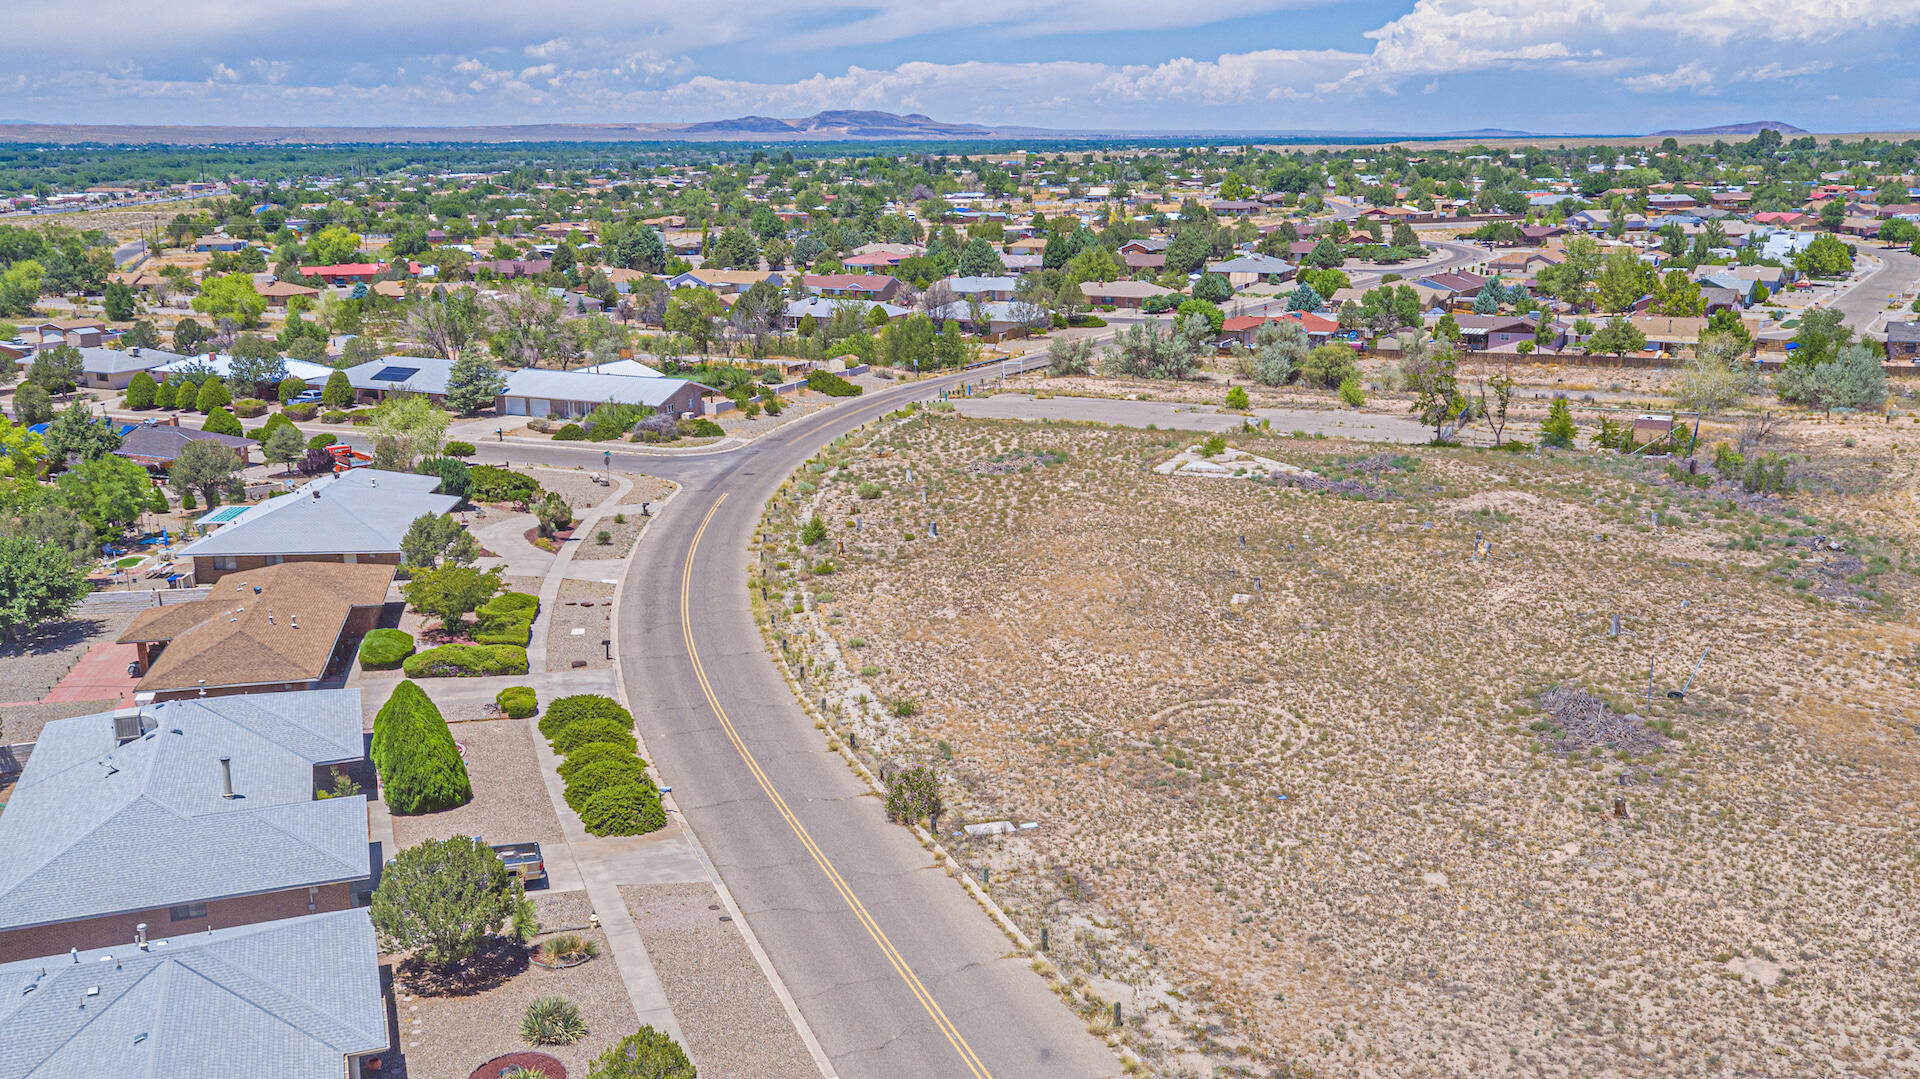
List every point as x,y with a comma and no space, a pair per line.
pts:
523,860
308,397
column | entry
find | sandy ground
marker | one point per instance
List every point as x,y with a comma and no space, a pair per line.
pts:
1298,802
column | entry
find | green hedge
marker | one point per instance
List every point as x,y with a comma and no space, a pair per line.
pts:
591,779
627,809
420,766
597,729
513,633
384,649
567,711
593,753
491,484
831,384
518,702
466,661
507,619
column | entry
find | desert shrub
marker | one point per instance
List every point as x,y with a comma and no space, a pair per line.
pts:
420,766
1214,446
628,809
701,427
1237,399
552,1021
459,449
645,1054
1351,393
913,794
303,413
384,649
492,484
466,661
814,532
597,729
593,753
566,711
832,385
334,416
518,702
591,779
571,432
567,947
868,490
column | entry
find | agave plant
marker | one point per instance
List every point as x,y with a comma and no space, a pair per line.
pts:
552,1021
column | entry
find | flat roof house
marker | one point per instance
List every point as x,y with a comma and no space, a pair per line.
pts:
424,375
268,630
303,993
181,815
571,394
355,516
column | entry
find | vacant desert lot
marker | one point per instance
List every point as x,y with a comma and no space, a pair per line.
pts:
1303,798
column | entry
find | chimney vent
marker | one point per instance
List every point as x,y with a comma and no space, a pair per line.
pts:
140,935
226,777
295,619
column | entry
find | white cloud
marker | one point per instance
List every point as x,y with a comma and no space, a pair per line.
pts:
1234,78
1688,76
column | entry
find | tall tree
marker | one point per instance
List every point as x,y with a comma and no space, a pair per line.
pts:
38,582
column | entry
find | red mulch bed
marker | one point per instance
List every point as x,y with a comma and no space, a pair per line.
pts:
540,1062
560,535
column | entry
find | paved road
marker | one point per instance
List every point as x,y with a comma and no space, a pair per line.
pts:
1865,303
897,971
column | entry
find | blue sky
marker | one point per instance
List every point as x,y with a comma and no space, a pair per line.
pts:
1610,66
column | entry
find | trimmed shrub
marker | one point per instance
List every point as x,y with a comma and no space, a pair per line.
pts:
458,449
597,729
222,422
321,441
384,649
628,809
513,633
303,413
249,407
701,427
593,753
567,711
591,779
506,619
466,661
832,385
518,702
572,432
420,766
491,484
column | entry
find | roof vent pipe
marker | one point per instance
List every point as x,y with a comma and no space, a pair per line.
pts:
226,777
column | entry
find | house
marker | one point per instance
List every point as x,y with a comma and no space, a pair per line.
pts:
1492,333
986,288
1127,295
424,375
78,332
1458,286
1149,245
249,638
872,262
350,517
227,244
726,282
630,368
1670,334
113,369
1252,269
1590,220
999,316
181,816
220,363
278,293
572,394
1234,207
852,286
303,993
513,269
1026,264
1028,245
1903,342
1138,261
1244,328
1540,234
345,273
1524,263
157,446
821,308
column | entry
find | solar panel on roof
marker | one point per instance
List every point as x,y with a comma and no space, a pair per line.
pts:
394,374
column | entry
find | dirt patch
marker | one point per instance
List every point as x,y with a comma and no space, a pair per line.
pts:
510,802
1578,720
733,1023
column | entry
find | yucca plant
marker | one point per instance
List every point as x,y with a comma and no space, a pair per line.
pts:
552,1021
567,948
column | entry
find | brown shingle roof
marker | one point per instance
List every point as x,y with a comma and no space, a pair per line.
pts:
277,624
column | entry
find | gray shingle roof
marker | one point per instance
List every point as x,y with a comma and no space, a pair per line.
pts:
94,828
113,361
291,999
164,443
585,387
418,374
361,511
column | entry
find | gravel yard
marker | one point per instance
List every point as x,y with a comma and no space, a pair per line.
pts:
622,529
734,1025
584,605
574,485
447,1037
35,664
22,722
510,802
561,911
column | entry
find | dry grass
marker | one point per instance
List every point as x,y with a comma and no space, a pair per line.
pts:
1328,827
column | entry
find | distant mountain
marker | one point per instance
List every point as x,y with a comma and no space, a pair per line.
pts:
1751,127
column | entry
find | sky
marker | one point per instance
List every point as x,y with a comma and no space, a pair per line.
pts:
1551,66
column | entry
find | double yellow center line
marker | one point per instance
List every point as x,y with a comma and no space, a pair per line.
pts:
920,992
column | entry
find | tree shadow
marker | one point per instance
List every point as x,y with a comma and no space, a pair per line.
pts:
53,637
496,962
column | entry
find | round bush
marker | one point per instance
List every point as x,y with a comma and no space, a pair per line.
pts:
602,775
567,711
518,702
598,729
552,1021
594,752
572,432
630,809
384,649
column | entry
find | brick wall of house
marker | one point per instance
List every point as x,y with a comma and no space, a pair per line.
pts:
117,929
205,572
